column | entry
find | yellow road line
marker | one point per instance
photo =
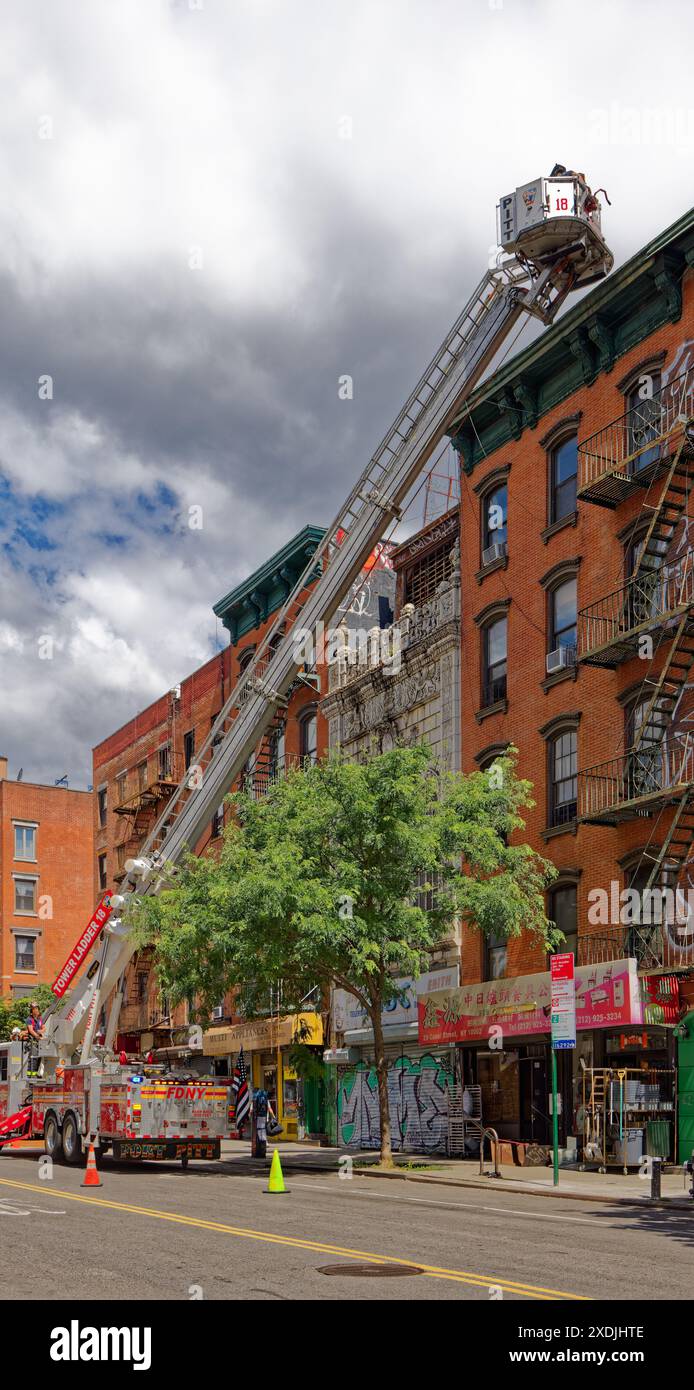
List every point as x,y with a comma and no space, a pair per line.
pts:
459,1276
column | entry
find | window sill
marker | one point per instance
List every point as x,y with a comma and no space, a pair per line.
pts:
19,970
560,525
18,860
18,913
569,673
552,831
500,564
500,707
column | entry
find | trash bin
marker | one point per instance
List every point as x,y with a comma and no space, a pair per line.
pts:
658,1138
629,1149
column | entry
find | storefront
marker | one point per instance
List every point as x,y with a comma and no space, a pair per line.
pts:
418,1077
267,1045
501,1029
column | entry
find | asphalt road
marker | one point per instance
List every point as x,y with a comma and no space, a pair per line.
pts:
156,1232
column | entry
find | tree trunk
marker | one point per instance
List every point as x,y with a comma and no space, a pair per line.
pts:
383,1101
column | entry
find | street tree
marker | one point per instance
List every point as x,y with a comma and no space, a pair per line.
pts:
320,883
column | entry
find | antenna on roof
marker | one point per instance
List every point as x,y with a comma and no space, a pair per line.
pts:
20,774
61,781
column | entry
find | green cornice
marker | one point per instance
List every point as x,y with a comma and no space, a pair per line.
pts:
637,299
264,591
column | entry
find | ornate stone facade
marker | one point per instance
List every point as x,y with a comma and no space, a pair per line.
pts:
406,686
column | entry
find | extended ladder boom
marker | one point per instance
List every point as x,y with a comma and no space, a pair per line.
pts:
554,253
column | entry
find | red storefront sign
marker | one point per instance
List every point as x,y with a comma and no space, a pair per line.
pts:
607,996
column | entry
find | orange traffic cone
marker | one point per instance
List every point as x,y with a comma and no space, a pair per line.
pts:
91,1176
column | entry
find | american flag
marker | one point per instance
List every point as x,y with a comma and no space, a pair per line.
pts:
239,1087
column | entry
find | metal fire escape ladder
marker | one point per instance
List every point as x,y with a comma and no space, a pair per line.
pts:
667,514
667,688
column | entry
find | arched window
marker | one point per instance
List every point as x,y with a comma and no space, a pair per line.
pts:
562,910
494,520
563,775
563,467
277,752
494,669
644,412
561,739
308,736
562,617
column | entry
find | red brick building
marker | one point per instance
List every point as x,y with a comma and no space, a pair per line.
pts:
139,766
575,545
46,879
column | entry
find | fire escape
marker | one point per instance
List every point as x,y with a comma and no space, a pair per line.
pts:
140,812
648,451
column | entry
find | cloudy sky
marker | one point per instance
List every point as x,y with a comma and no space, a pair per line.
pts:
211,209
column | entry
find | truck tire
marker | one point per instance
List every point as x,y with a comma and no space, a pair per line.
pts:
72,1146
52,1138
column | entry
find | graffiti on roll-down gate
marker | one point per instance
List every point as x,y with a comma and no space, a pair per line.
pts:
418,1094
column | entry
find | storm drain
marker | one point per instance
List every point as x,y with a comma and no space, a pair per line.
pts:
375,1271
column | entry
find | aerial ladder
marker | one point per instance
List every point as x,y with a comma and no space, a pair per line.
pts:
551,243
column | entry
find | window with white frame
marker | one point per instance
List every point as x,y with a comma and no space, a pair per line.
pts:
25,952
25,895
24,841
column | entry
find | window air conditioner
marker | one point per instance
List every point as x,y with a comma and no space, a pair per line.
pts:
494,552
218,1011
560,659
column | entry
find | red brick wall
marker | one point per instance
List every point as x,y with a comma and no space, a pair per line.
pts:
594,851
167,720
64,866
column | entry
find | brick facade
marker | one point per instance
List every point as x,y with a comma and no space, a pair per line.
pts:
136,784
642,323
61,868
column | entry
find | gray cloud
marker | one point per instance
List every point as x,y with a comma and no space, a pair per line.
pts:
217,133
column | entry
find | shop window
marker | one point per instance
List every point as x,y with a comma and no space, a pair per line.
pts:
563,768
494,648
563,466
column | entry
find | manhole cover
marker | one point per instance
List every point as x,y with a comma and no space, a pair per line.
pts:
371,1271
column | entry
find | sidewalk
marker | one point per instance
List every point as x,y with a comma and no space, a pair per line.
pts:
611,1187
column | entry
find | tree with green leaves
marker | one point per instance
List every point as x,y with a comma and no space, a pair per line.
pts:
14,1012
317,884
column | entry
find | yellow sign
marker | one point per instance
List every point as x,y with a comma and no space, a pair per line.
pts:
262,1034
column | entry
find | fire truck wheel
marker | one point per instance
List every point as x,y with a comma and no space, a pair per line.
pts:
52,1137
72,1148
